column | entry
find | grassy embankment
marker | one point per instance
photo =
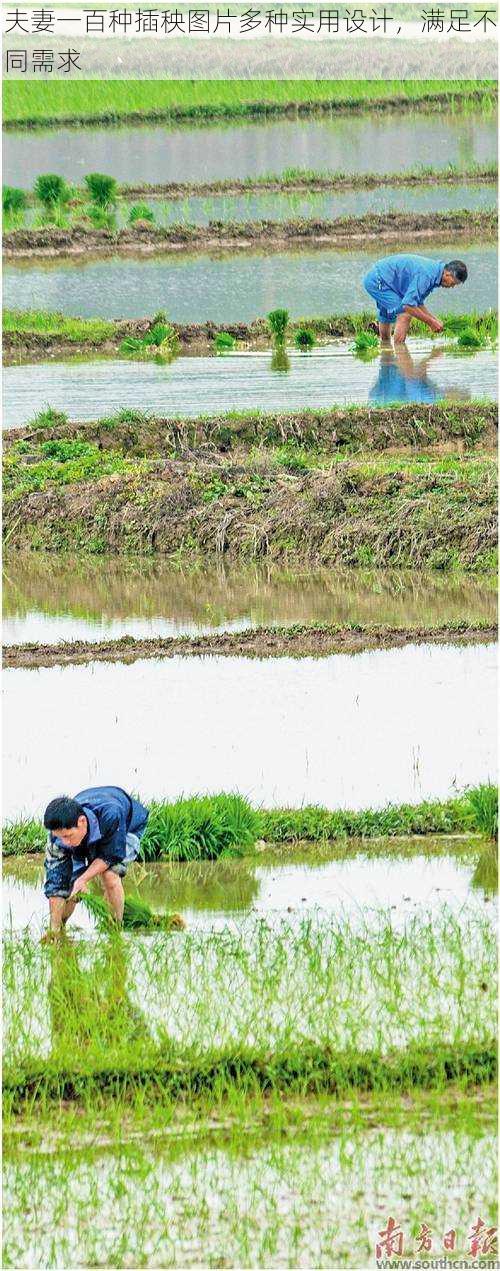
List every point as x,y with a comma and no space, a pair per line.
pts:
220,825
376,510
297,641
113,101
36,332
340,233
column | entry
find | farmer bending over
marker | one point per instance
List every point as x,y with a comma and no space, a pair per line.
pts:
400,284
95,834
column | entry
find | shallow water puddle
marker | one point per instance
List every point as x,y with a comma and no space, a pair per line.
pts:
193,386
212,894
233,286
281,1203
49,599
366,142
392,726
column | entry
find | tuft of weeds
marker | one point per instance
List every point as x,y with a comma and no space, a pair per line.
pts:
101,189
304,339
49,418
141,212
481,804
13,200
50,189
224,342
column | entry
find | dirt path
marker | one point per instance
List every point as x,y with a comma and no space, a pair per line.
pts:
265,642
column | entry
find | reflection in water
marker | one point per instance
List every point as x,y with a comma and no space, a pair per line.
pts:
57,597
85,1007
193,386
330,877
397,725
228,287
486,872
402,379
388,141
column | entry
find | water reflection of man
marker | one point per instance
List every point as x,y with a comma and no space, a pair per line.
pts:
399,285
401,379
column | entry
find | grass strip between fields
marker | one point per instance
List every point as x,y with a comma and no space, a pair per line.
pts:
206,828
113,101
297,641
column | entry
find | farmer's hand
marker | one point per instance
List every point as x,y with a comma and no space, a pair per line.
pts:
437,326
78,886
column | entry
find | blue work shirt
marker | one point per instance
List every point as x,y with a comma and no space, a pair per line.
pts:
111,814
411,278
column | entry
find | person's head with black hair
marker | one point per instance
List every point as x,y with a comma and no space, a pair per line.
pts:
66,819
454,273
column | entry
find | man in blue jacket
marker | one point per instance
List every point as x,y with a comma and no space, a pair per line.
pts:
400,284
95,834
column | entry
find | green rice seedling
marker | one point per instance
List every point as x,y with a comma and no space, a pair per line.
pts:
304,339
365,342
278,322
13,200
200,828
131,345
482,809
51,189
470,339
141,212
101,189
137,915
224,342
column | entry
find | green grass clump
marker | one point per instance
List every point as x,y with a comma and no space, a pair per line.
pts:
50,190
13,200
101,189
278,321
470,340
482,809
137,915
304,339
224,342
49,418
161,339
200,828
365,342
56,463
141,212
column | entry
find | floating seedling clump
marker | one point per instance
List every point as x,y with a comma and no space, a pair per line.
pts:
160,341
141,212
365,344
13,200
101,189
51,190
137,916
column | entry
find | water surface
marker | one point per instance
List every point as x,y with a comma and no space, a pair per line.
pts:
337,882
53,598
193,386
371,142
269,206
233,286
384,726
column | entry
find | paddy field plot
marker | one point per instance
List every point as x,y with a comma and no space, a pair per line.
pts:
226,287
361,143
193,386
441,736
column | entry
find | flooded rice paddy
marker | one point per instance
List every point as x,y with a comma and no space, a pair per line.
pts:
325,205
276,1203
192,386
360,143
382,726
232,287
49,599
331,881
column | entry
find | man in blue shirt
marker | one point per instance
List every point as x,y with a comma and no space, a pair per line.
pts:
95,834
400,284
